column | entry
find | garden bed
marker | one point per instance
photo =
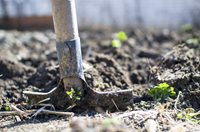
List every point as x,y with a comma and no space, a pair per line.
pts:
28,61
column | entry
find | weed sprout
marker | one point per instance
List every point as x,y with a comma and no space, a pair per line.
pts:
119,38
162,91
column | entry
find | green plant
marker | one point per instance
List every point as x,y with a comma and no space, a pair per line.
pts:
189,114
74,94
119,38
116,43
122,36
187,27
4,104
193,41
7,108
162,91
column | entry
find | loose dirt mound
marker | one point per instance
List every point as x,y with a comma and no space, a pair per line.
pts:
106,74
181,68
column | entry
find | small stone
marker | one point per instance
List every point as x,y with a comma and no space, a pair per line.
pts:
178,128
151,125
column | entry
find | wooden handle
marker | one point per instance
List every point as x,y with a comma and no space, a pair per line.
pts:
65,19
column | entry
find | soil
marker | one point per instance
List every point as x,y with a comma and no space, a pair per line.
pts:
28,62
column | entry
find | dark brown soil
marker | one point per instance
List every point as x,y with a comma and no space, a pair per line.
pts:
106,74
181,68
28,61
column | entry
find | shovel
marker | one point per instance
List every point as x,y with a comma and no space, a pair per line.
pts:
71,67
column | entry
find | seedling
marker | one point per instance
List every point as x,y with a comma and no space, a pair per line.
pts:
193,41
119,38
5,106
187,28
162,91
116,43
122,36
74,94
189,115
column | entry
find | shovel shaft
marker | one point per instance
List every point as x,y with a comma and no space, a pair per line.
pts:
65,19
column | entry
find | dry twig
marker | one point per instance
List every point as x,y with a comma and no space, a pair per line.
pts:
177,99
42,109
20,112
115,105
148,112
48,112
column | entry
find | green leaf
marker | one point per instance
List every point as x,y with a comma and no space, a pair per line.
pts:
187,28
162,91
77,98
116,43
7,108
79,93
193,41
163,85
122,36
180,115
74,94
189,114
70,93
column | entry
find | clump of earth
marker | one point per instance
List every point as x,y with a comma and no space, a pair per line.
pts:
181,68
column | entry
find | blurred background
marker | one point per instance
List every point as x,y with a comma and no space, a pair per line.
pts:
36,14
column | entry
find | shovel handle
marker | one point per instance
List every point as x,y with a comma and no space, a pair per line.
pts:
65,20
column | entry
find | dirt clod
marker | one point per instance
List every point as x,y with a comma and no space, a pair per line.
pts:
180,68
